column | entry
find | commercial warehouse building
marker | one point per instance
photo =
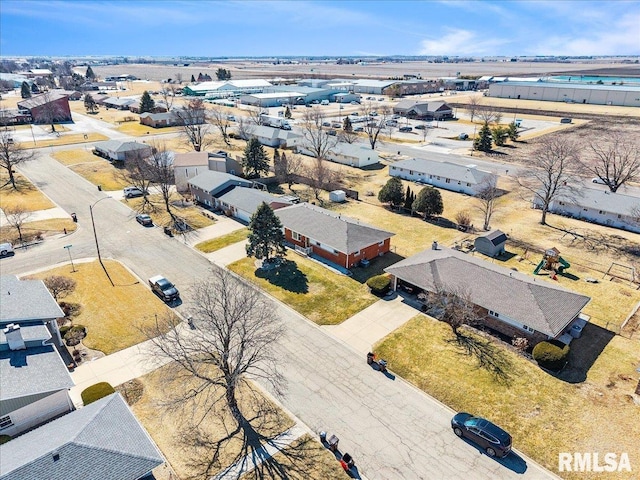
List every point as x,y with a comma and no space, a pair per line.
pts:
618,95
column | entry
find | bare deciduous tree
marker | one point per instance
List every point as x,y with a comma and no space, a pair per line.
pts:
287,168
168,93
452,306
374,124
472,106
179,78
193,119
235,337
16,217
12,155
488,196
161,174
487,114
616,161
245,127
321,177
316,139
50,112
60,286
137,172
220,120
552,167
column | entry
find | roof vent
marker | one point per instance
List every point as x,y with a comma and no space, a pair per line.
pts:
56,457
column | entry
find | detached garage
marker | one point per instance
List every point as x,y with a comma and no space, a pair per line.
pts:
492,244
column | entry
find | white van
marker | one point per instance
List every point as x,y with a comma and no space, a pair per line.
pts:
324,102
5,249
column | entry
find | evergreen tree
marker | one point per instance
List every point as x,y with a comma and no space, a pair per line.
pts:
146,103
483,141
347,126
513,132
500,135
34,88
266,236
223,74
392,192
89,103
90,75
25,90
255,160
408,198
193,79
429,202
287,113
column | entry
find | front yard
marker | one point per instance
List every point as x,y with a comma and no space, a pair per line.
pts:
110,313
319,294
544,414
215,244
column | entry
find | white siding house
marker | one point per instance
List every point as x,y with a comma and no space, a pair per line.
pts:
449,176
354,155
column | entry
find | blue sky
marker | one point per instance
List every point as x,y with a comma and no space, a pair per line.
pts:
316,28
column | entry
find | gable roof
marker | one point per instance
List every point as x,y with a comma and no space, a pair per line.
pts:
32,371
214,182
602,199
25,300
496,237
342,233
541,305
102,441
421,107
467,174
249,199
121,146
42,99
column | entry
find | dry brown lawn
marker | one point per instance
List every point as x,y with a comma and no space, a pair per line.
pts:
101,173
110,313
26,194
137,129
46,228
191,213
173,430
66,139
73,157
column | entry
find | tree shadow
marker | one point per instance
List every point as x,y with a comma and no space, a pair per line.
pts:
286,275
584,352
488,355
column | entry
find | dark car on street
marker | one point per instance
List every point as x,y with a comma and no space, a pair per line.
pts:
491,438
144,220
162,287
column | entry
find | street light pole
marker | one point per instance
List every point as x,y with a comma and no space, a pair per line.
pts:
95,236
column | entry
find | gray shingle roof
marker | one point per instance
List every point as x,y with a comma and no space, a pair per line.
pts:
249,199
541,305
22,300
102,441
496,237
443,169
344,234
212,181
602,199
32,371
121,146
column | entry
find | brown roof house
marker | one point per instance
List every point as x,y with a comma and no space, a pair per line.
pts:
513,303
47,107
341,240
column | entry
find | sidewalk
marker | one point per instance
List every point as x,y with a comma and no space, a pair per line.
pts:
55,212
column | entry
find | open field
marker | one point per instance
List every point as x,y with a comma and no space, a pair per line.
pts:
110,313
544,414
322,296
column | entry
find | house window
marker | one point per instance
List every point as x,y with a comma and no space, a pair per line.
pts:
410,172
561,203
437,178
528,329
430,176
600,212
381,244
5,422
619,216
295,236
393,168
459,182
357,254
468,184
585,209
447,180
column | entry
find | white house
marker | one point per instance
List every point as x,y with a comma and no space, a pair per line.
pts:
597,205
354,154
275,137
449,176
188,165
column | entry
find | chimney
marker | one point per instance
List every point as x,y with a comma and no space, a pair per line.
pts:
14,337
434,245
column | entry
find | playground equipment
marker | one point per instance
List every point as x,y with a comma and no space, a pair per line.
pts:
552,261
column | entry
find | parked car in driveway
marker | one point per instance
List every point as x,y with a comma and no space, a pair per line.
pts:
132,192
405,129
6,249
162,287
491,438
144,220
598,180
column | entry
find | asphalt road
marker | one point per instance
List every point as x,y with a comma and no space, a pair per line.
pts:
393,430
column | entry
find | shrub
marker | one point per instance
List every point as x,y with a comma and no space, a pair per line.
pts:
70,309
4,439
96,392
379,284
64,330
551,355
75,335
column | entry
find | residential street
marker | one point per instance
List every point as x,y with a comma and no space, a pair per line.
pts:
393,430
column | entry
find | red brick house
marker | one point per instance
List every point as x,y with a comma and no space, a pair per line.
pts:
47,107
342,240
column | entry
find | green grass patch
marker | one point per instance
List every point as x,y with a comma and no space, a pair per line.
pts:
322,296
96,392
544,414
214,244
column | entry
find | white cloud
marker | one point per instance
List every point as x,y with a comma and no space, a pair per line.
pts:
460,42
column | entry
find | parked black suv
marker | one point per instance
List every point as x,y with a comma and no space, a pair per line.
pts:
492,439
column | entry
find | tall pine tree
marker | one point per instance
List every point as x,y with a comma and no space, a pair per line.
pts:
483,141
266,237
25,90
255,160
408,199
146,103
90,75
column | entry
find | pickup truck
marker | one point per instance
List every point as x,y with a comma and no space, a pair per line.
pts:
164,288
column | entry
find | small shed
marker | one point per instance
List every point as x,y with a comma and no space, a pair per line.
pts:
491,244
337,196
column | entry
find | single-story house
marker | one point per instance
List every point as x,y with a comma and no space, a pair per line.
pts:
242,203
510,302
491,244
598,205
207,186
275,137
95,86
342,240
443,174
158,107
119,150
45,107
188,165
160,120
423,110
352,154
120,103
102,441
